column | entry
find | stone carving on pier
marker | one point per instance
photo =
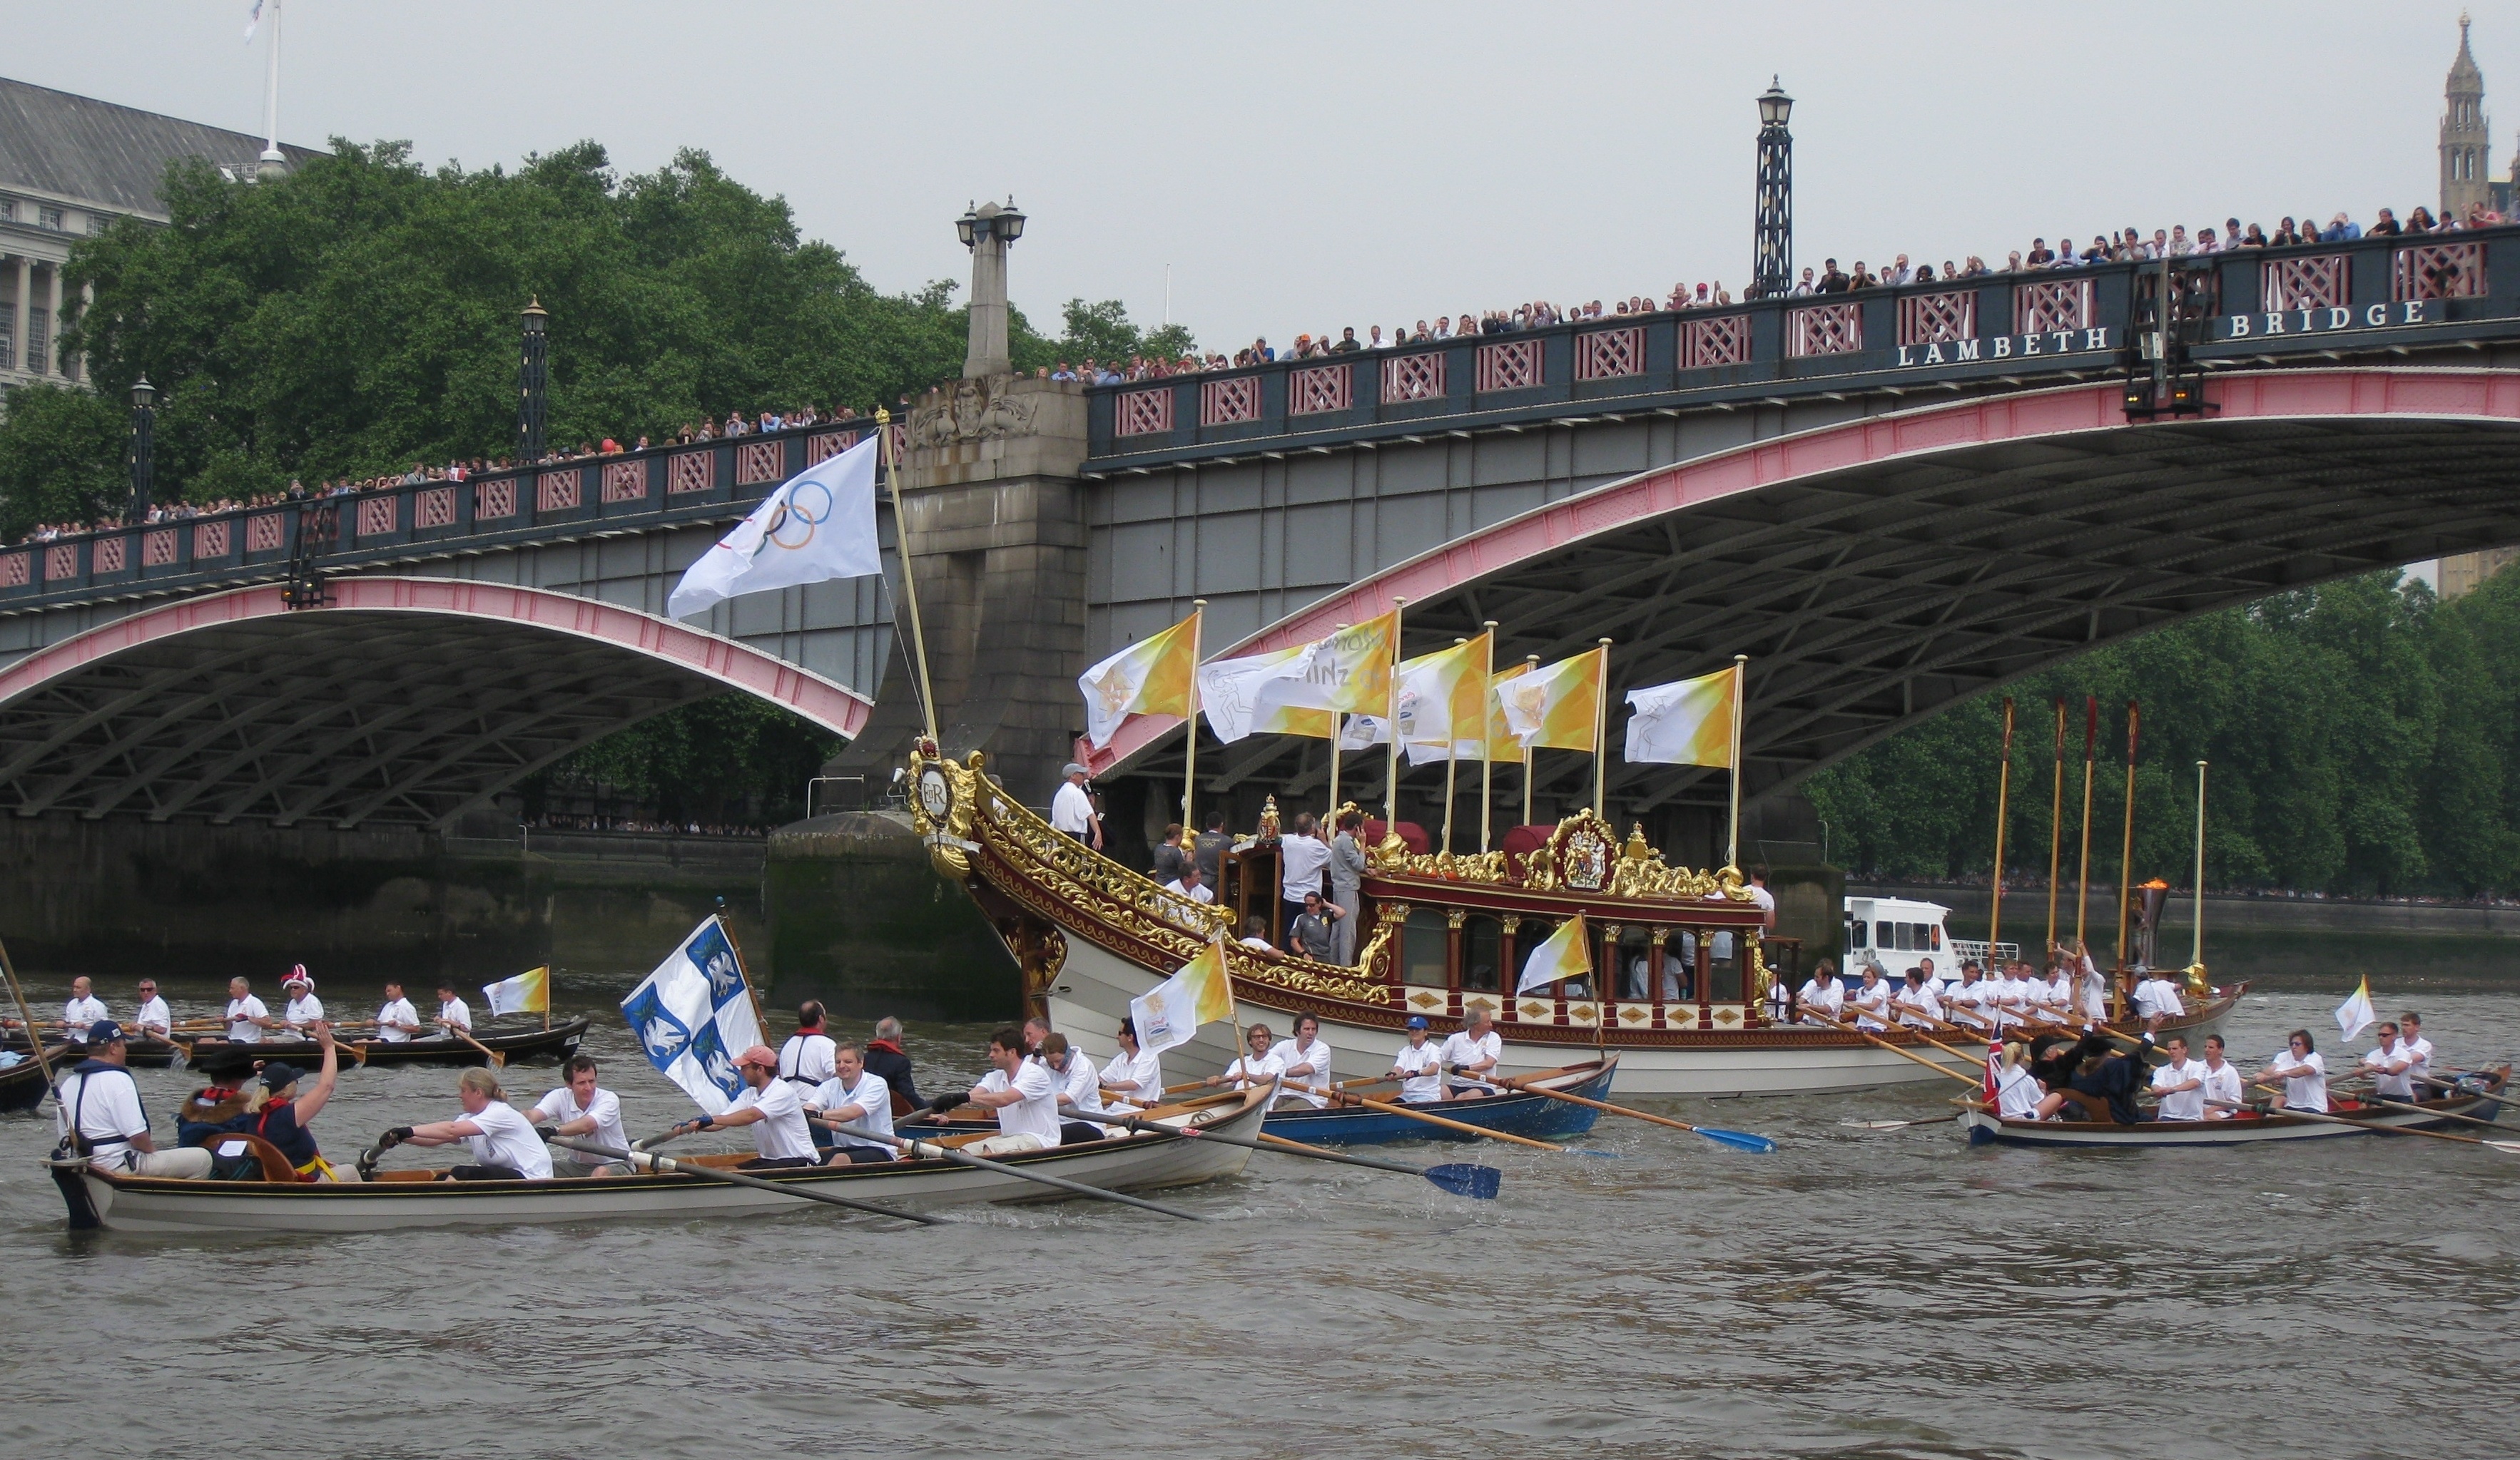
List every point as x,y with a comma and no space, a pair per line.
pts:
986,409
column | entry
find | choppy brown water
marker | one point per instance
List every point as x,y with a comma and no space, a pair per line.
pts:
1861,1292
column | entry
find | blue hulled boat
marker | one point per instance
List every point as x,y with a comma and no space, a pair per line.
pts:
1513,1113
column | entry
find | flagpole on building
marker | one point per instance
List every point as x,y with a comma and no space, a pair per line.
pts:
1487,745
1189,752
1601,729
2055,825
2197,949
908,587
2083,879
1530,753
1740,693
1391,787
2003,800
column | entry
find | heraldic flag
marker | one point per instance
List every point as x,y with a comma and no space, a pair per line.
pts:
1168,1014
1151,677
694,1015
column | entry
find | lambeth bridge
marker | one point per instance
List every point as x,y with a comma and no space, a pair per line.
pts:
1889,500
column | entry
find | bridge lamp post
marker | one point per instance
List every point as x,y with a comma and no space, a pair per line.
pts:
1771,271
143,432
986,231
533,381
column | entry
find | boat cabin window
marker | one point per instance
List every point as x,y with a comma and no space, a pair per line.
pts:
1858,933
1425,948
1482,954
1883,937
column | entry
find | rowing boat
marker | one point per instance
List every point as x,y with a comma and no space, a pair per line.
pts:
2244,1127
556,1044
21,1085
397,1200
1512,1111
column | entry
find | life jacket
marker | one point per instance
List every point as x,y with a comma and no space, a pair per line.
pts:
314,1167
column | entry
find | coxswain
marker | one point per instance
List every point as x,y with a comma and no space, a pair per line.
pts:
2222,1088
1079,1092
1259,1064
1022,1091
2053,1058
2017,1090
1872,1001
83,1011
1472,1051
247,1017
854,1096
304,1008
219,1107
885,1057
452,1013
1306,1059
2156,998
280,1113
2180,1082
1915,1005
151,1019
1821,997
583,1110
1135,1076
2099,1070
773,1109
101,1118
396,1020
506,1146
1418,1066
2303,1070
2391,1064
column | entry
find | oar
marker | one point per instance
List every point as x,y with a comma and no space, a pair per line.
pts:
662,1165
1930,1064
1460,1179
920,1148
1742,1141
1387,1108
2507,1147
2440,1115
497,1060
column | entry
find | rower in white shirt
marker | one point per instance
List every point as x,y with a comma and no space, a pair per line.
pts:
1821,997
1965,1002
805,1061
2179,1081
2221,1091
2411,1031
151,1018
304,1008
773,1109
506,1146
83,1009
2304,1073
2017,1092
396,1020
854,1096
1260,1062
1191,884
1305,1061
247,1017
1472,1051
452,1013
1134,1078
1022,1091
1418,1066
1080,1093
1915,1005
2391,1066
584,1110
2054,1000
1872,1001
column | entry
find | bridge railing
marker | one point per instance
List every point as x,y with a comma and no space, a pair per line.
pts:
702,481
1989,328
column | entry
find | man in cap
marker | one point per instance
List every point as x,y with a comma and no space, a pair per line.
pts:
304,1008
101,1116
83,1010
1418,1066
771,1106
1073,810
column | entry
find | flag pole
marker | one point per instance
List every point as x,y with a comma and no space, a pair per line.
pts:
2002,797
2126,847
2055,825
1733,837
1487,742
1189,750
1452,754
1391,762
2083,879
1530,753
2197,949
1601,729
909,589
1338,732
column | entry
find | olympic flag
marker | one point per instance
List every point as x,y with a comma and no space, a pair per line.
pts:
819,525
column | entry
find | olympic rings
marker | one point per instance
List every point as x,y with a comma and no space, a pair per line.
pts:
789,511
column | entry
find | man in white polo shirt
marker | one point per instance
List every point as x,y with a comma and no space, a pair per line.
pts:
773,1109
304,1008
396,1020
857,1096
1472,1051
246,1016
583,1110
1023,1092
452,1013
100,1115
1302,859
2179,1081
82,1010
1071,809
2391,1066
153,1017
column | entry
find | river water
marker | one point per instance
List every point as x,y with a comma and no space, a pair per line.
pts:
1862,1292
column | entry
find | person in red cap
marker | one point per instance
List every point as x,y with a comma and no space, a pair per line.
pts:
769,1105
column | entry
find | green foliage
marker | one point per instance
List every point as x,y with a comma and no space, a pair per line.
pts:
1102,332
61,458
2357,737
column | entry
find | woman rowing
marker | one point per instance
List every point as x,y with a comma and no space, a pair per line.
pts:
1872,1001
506,1146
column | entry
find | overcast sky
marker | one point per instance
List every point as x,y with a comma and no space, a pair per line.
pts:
1304,166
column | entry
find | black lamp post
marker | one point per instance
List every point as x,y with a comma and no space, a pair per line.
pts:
1771,271
143,430
533,378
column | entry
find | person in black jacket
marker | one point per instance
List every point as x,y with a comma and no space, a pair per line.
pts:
884,1057
2094,1066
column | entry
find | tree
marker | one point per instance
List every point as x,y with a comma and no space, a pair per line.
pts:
61,458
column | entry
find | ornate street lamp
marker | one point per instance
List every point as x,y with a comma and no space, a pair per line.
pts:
1771,270
143,430
986,231
533,381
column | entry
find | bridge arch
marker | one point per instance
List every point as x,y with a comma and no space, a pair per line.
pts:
1878,570
402,700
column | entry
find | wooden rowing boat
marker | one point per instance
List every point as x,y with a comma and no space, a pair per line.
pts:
407,1199
1512,1111
21,1085
2245,1127
556,1044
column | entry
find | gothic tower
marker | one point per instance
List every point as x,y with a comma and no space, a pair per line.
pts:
2465,138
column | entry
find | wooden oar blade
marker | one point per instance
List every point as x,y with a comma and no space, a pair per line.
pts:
1480,1184
1739,1140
